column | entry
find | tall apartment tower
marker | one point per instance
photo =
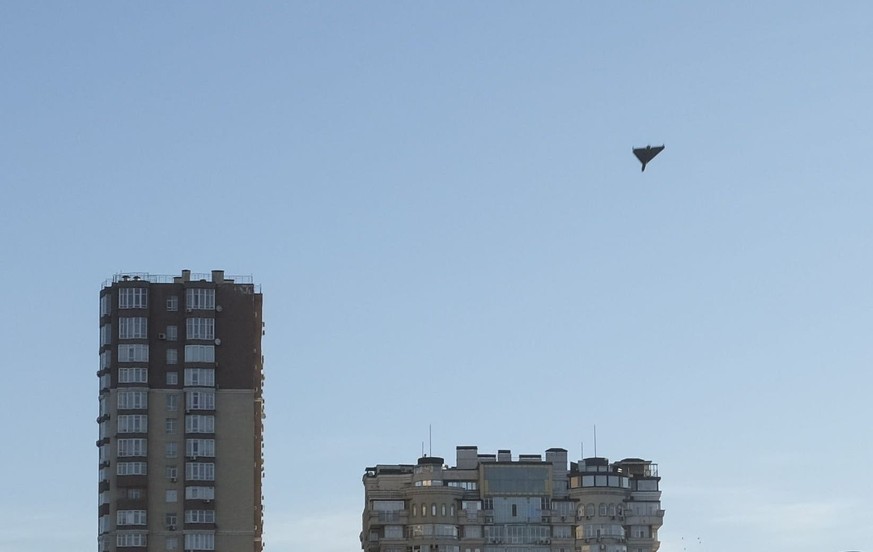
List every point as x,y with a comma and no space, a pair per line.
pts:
494,503
181,409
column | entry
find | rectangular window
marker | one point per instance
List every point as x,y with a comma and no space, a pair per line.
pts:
195,448
133,375
105,359
172,378
131,447
172,356
199,541
199,493
133,298
131,468
200,400
199,353
199,377
136,352
172,403
200,299
172,543
105,304
133,400
105,381
130,540
172,303
136,423
171,472
171,495
200,328
170,425
171,450
130,517
105,334
133,327
172,333
200,516
170,520
199,471
199,424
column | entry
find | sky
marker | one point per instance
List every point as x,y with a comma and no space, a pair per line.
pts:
441,205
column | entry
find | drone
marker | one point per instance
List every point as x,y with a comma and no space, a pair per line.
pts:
647,153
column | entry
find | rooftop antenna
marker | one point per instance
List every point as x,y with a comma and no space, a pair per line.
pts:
422,448
595,440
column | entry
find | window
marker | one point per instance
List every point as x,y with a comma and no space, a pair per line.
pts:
103,524
200,400
105,334
200,541
133,375
172,303
199,353
172,356
170,519
131,468
137,423
172,378
172,333
105,304
199,471
133,327
171,450
172,543
130,517
133,298
171,495
131,447
133,400
170,425
105,380
199,493
199,424
172,403
136,352
199,377
105,359
200,447
171,472
200,516
200,328
134,494
200,299
130,539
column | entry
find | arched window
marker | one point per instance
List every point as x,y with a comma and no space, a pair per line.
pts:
443,509
433,510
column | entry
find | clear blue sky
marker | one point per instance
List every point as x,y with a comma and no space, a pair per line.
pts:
440,201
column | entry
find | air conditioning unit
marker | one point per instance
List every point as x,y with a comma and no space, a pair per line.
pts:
162,336
172,480
171,527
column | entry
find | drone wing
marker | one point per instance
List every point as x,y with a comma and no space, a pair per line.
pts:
647,153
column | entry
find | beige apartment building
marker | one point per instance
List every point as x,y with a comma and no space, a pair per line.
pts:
497,503
180,413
